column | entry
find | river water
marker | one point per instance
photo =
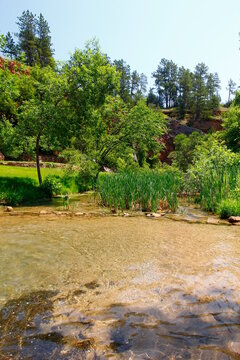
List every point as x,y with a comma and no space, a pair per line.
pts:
118,287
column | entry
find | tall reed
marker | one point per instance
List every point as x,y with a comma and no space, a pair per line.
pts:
139,190
217,185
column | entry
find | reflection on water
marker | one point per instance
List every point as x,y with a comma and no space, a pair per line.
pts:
130,288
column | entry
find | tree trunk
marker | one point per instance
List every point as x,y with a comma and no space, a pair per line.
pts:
37,158
229,94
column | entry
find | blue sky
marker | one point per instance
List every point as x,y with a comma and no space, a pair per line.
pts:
143,31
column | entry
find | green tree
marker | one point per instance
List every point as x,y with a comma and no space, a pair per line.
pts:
166,82
27,24
200,91
125,80
44,120
231,126
231,89
9,94
152,98
2,41
8,143
127,131
135,83
185,86
185,146
213,86
9,47
44,46
143,84
91,79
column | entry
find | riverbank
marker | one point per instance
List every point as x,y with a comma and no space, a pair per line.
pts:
85,205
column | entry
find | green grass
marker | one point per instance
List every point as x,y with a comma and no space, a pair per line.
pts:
17,190
229,207
218,185
24,172
20,185
139,190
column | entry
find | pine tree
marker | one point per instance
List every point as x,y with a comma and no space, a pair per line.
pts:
185,84
143,84
27,36
200,91
9,47
135,83
152,98
231,88
125,79
166,82
45,52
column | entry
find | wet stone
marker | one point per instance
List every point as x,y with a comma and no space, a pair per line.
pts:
212,221
153,215
92,285
234,346
234,219
79,292
9,209
43,212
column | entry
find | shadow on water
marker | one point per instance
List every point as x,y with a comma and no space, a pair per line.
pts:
203,328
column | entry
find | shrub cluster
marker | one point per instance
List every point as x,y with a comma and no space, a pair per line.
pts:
15,190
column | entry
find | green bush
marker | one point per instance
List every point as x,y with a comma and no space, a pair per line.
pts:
51,185
14,191
214,175
229,207
87,176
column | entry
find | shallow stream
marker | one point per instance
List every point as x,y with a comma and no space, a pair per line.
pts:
120,287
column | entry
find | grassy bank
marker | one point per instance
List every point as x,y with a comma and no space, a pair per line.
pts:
27,172
19,185
16,190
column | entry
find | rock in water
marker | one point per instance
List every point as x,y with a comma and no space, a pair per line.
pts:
234,219
212,221
153,215
9,209
234,346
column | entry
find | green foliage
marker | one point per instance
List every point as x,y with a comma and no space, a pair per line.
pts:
126,131
42,119
139,190
229,207
9,47
33,41
214,173
195,92
8,145
84,169
231,89
185,149
43,43
231,126
91,79
2,41
166,82
51,185
9,94
14,191
133,85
